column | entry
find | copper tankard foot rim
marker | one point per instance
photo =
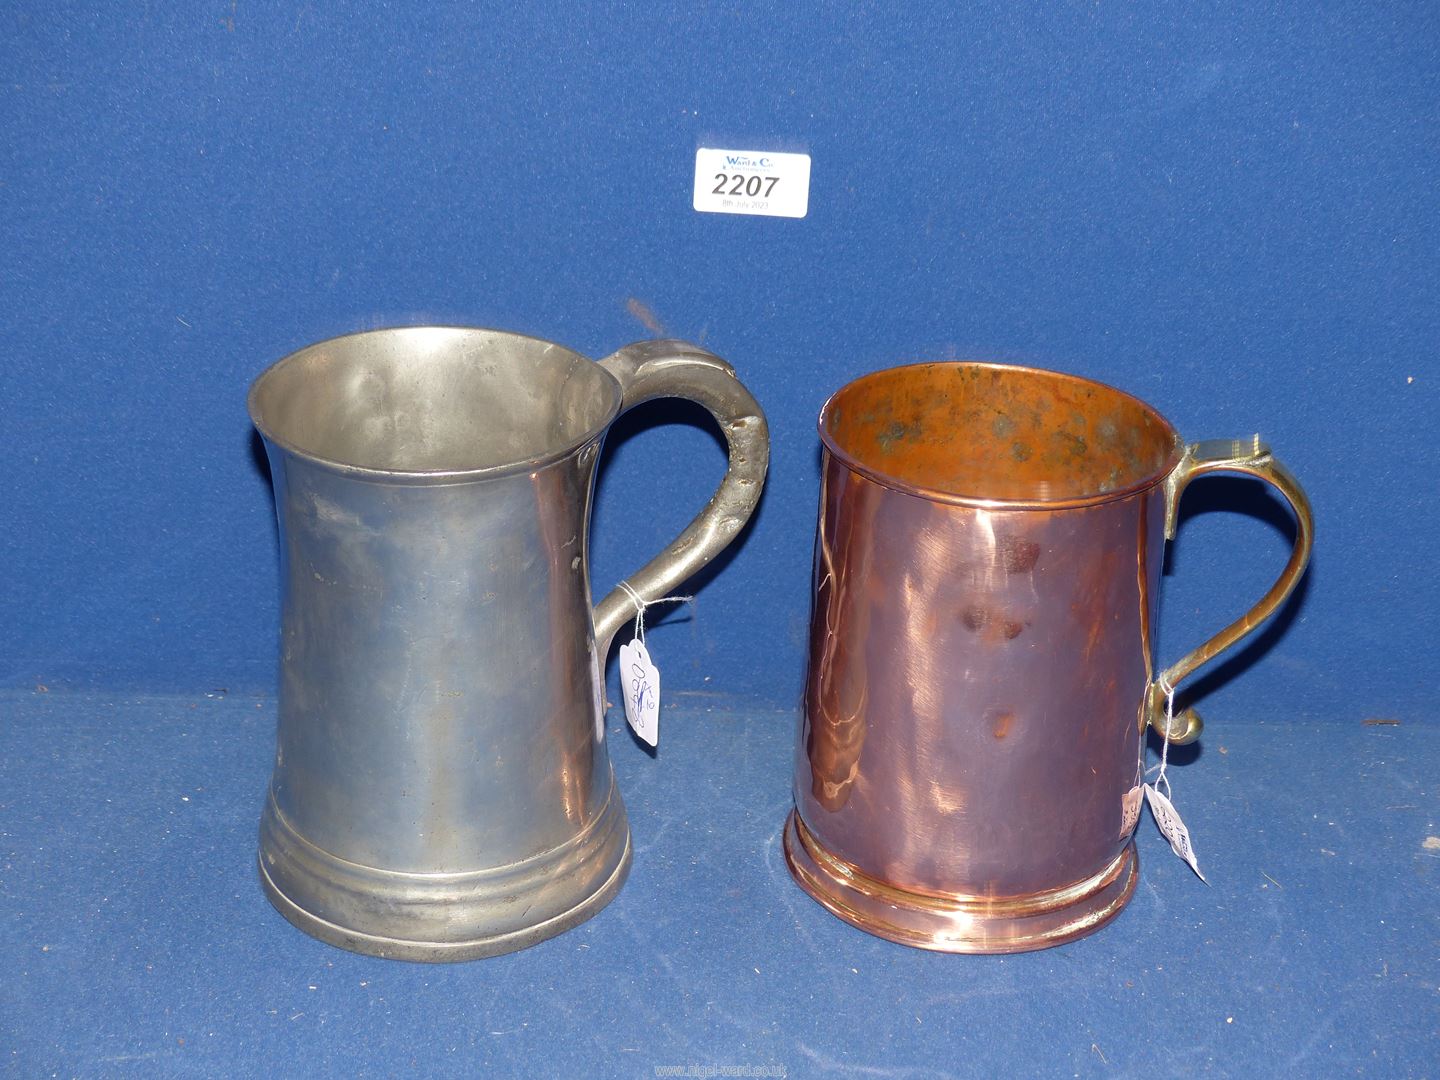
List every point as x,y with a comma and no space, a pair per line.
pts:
440,952
959,924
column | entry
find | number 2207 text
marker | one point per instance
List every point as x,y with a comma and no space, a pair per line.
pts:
740,184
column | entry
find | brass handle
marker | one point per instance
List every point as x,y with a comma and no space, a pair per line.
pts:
654,369
1252,459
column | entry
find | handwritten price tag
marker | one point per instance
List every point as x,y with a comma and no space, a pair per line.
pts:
640,683
1172,828
1129,811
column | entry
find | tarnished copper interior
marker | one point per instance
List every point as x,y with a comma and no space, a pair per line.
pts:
979,431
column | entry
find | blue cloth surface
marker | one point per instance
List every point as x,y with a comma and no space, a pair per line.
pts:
1226,209
136,941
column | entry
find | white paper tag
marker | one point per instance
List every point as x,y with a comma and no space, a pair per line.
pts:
1129,811
1172,828
640,683
752,182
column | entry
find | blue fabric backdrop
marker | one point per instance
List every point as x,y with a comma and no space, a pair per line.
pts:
1229,210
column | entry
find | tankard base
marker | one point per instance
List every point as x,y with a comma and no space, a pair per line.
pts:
959,924
440,918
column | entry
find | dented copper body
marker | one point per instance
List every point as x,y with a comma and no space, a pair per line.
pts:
981,668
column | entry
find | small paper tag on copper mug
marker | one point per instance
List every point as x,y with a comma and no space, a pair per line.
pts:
640,683
1130,811
1172,828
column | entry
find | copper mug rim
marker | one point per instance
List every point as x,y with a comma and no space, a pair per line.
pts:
1042,497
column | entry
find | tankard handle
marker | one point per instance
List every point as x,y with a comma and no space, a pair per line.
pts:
655,369
1252,459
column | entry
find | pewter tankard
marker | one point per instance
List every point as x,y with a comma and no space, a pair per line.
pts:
441,787
982,670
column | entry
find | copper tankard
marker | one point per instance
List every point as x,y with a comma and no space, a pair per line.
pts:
969,767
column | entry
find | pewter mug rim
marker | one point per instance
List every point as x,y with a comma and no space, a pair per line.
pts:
488,472
954,498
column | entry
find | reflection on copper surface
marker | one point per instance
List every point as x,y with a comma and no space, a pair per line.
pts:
836,706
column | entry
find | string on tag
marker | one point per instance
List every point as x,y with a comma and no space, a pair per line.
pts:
641,604
639,677
1167,818
1161,778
